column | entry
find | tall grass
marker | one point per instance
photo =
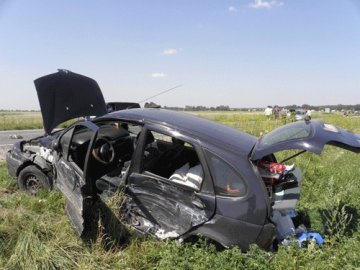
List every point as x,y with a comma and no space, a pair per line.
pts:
20,120
35,232
24,120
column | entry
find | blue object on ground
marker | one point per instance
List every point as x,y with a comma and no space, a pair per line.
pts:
292,213
310,235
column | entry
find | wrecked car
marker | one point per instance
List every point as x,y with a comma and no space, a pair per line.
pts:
182,176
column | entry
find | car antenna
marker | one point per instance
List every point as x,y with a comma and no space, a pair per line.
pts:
162,92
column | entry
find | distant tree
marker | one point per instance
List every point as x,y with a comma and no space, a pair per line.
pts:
305,106
223,108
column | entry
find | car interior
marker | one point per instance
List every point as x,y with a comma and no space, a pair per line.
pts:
165,157
172,159
110,155
114,172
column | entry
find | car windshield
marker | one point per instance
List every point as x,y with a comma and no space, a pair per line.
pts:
286,133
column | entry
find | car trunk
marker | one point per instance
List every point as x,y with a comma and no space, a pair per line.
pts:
283,182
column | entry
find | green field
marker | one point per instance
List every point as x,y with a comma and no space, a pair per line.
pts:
23,120
20,120
35,232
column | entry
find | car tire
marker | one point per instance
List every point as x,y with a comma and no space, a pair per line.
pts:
31,179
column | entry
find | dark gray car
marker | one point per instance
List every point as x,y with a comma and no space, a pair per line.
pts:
181,176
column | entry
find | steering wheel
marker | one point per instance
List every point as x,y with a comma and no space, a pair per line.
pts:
103,151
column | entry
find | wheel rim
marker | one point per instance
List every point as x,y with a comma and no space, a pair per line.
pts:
32,184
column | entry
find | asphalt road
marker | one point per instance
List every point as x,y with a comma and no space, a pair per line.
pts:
7,138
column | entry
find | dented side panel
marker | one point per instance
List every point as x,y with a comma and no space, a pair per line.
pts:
232,232
164,209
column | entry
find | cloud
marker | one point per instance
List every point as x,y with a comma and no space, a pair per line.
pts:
232,9
265,4
170,51
159,75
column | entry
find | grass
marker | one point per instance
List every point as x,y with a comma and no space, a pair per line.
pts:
35,232
23,120
20,120
257,124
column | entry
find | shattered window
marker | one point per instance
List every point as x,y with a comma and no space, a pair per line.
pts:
227,181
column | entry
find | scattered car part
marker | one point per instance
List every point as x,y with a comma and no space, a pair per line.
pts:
15,136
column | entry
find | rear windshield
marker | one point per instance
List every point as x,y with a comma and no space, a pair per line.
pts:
286,133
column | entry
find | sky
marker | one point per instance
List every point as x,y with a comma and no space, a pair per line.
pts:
240,53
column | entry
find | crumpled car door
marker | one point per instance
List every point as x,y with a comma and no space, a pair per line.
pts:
76,185
166,209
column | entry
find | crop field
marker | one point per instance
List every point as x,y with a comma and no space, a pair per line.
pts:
35,232
22,120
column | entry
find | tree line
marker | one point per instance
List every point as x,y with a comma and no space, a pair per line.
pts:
338,107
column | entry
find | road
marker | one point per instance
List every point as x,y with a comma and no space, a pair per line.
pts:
6,141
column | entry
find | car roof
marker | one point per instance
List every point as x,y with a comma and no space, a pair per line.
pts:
209,132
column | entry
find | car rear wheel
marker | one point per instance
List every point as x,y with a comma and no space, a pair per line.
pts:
31,179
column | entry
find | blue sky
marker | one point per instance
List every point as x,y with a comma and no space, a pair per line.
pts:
241,53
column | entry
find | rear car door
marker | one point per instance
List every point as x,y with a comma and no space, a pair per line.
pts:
157,202
72,174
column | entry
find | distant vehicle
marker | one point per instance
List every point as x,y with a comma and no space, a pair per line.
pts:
268,111
300,115
182,176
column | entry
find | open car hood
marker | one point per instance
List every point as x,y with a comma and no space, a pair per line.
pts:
66,95
310,136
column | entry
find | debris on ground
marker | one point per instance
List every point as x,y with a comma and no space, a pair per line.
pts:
287,233
15,137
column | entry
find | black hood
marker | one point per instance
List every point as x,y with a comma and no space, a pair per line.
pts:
66,95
